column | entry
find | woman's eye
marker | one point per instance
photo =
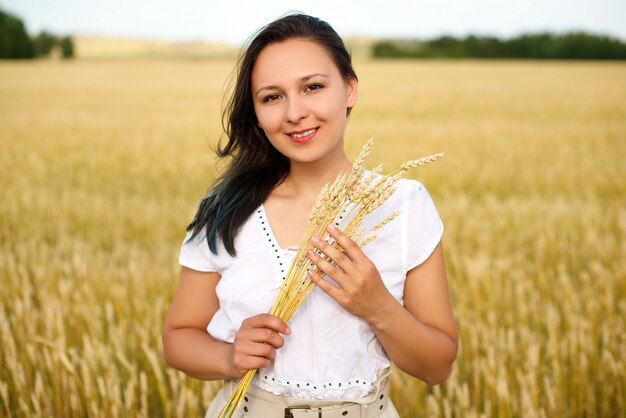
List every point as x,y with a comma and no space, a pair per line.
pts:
314,86
270,98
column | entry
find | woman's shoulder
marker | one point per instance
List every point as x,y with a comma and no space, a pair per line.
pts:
411,185
407,190
196,253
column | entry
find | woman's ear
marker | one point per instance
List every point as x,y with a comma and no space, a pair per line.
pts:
352,90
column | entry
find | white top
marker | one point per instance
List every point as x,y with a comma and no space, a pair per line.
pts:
330,354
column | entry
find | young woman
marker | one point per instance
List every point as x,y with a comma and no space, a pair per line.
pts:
387,302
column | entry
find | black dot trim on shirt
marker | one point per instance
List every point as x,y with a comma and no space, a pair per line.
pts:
326,385
271,240
340,217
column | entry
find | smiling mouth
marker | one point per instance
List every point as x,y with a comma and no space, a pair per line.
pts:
302,134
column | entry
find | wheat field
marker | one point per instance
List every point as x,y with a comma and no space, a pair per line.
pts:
103,163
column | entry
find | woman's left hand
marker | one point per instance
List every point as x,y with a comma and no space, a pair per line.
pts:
360,289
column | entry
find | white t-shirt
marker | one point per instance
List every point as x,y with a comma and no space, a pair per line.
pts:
330,354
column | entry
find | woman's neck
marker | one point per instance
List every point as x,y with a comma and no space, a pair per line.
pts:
307,179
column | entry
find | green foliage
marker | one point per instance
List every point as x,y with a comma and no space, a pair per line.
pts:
43,44
67,47
14,41
576,45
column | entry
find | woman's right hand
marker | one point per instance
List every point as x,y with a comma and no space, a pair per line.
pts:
256,343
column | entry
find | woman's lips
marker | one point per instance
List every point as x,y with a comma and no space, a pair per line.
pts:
302,136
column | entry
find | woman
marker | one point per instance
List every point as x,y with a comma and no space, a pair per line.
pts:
386,302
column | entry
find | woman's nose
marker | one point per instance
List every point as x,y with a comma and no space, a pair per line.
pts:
296,110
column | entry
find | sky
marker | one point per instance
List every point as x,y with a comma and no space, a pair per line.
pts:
233,21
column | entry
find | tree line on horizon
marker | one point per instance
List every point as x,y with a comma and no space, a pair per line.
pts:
15,43
574,45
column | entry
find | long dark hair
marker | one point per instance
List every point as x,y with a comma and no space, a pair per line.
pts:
256,167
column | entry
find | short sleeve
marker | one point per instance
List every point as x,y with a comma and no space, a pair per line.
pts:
195,254
422,227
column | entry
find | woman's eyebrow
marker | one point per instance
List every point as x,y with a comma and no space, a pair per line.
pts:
305,78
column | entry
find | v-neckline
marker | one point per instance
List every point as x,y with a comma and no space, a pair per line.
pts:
279,254
270,231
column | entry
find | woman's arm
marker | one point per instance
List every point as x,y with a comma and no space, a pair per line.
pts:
419,337
188,346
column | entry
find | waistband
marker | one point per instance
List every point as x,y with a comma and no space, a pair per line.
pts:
259,403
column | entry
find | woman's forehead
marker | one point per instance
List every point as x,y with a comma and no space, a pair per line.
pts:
291,60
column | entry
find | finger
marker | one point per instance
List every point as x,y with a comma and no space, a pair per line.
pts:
251,362
259,350
323,284
352,248
265,336
327,267
339,257
268,321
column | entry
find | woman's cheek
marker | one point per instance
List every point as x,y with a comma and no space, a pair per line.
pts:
269,119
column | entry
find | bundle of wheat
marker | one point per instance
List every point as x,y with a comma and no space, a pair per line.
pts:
344,203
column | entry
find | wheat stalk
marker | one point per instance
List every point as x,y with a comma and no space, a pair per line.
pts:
351,197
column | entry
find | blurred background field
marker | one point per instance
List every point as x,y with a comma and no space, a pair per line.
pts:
103,163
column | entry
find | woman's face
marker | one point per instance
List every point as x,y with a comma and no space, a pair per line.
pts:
301,99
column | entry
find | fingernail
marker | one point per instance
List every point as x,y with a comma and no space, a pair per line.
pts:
332,227
315,240
287,330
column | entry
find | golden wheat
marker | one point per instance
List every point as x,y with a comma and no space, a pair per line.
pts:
103,164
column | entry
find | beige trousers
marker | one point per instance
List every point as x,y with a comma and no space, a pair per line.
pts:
224,394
